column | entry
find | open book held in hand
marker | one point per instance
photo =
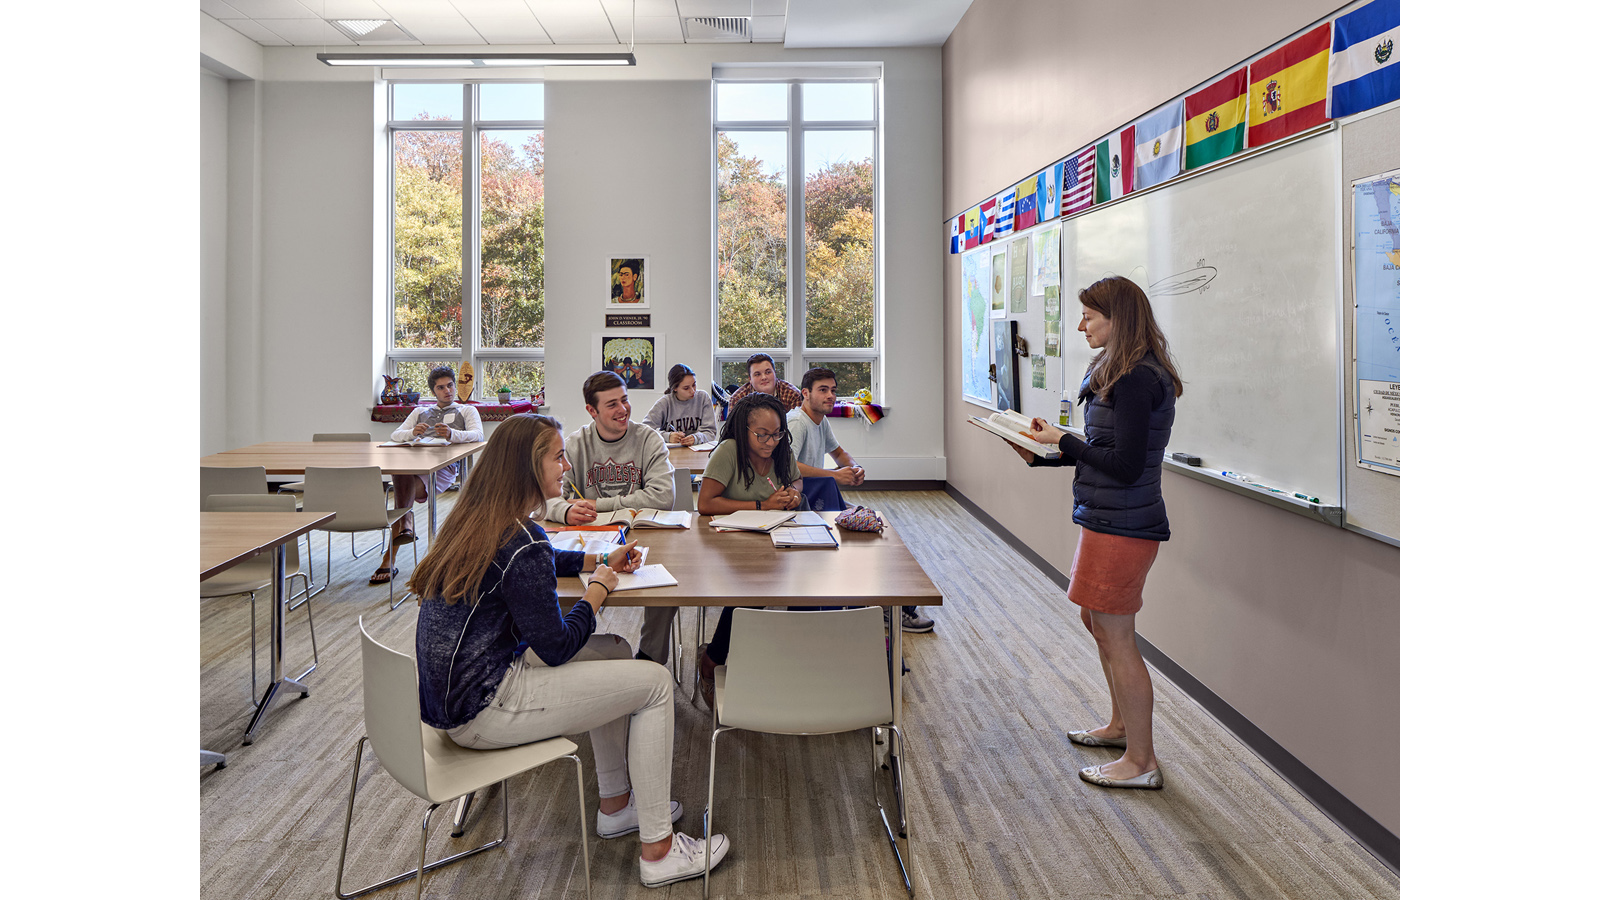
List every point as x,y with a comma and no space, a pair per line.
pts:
642,577
752,520
644,518
1016,429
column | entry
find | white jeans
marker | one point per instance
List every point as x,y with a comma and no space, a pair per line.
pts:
625,704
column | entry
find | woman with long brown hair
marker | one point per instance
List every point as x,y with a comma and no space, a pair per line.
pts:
498,664
1129,394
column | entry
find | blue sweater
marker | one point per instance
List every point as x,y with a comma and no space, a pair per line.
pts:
463,651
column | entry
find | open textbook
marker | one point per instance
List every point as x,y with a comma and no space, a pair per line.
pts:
1015,428
426,440
644,518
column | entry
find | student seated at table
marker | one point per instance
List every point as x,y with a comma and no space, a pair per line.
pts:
456,422
685,416
764,379
752,468
618,464
498,664
813,438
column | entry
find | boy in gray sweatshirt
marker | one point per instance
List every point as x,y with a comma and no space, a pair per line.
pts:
617,464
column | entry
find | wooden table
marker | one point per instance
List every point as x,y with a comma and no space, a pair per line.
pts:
230,538
735,568
294,457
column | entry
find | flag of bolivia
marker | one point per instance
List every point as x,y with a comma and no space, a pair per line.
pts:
1214,120
1289,88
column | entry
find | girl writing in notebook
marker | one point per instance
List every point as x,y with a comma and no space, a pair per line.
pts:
1130,390
685,416
498,664
752,468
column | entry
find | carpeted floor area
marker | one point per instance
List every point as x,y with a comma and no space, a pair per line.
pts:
997,809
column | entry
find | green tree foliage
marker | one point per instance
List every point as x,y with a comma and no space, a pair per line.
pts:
428,235
752,243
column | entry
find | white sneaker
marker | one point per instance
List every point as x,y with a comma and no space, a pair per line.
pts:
626,820
685,859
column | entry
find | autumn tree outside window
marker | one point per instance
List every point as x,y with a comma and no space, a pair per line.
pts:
797,271
467,267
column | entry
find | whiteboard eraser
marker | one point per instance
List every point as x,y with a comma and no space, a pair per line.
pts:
1186,459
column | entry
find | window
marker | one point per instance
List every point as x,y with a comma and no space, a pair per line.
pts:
467,270
797,257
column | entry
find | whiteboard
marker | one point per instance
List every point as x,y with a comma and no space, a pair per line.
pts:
1242,268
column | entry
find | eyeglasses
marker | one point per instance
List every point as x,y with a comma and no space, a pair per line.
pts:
766,438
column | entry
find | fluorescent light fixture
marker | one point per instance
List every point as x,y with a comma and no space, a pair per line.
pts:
479,60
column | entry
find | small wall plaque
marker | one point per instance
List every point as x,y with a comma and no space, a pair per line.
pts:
627,320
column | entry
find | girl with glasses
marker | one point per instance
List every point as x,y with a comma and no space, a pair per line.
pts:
752,468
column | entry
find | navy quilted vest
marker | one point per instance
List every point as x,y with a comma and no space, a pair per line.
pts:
1100,502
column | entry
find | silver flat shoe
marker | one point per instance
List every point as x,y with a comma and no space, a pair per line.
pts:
1149,781
1088,740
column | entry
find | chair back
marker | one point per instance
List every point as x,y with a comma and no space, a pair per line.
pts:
355,437
260,503
393,712
231,480
815,672
356,494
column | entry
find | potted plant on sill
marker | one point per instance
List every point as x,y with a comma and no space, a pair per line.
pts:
505,395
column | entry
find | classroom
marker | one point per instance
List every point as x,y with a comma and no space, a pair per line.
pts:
1273,631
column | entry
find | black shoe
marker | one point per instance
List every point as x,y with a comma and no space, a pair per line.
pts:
642,655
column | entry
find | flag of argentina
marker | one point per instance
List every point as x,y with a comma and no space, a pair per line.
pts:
1006,218
1364,60
1158,141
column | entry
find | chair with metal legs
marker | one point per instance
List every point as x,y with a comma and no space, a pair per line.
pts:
808,673
256,574
356,495
427,763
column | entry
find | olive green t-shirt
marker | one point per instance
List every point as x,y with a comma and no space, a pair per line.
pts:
722,467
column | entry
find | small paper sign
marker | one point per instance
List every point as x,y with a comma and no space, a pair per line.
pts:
627,320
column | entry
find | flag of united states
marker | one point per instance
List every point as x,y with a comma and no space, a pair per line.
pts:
1077,188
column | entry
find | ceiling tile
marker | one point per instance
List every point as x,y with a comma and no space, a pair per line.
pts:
441,30
621,9
580,28
255,31
564,7
306,32
216,9
347,9
472,9
767,28
273,9
522,30
651,30
426,9
730,7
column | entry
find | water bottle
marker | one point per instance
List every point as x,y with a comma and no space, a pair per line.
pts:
1066,411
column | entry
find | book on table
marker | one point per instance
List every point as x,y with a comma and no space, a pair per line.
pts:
804,537
426,440
752,520
644,518
1016,429
642,577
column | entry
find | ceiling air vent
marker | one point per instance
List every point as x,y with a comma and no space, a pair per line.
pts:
373,31
704,29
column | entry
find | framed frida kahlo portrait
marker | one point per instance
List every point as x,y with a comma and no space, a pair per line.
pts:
629,276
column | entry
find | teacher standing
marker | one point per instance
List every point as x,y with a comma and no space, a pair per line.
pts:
1129,393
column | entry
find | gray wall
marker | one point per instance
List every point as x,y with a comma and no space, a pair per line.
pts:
213,260
317,350
1292,622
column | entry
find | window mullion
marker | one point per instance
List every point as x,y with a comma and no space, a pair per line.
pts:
470,201
797,232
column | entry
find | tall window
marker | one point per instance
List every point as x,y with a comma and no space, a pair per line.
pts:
797,258
467,274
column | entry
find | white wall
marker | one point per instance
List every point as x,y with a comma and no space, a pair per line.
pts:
213,261
321,265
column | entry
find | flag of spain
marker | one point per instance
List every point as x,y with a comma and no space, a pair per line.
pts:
1289,88
1214,120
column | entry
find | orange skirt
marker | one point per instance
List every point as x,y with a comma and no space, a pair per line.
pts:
1108,572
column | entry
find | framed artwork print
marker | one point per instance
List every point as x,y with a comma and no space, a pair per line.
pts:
629,283
631,356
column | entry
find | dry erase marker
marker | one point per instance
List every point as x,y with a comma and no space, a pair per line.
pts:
1307,497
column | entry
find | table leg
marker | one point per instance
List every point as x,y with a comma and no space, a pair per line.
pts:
898,644
211,757
276,655
433,512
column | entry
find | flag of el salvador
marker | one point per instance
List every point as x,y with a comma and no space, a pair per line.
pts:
1364,59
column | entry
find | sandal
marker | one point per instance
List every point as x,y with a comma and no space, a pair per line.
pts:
406,536
384,575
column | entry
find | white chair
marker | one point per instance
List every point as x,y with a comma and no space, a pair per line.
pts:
353,437
256,574
427,763
806,673
231,480
356,495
